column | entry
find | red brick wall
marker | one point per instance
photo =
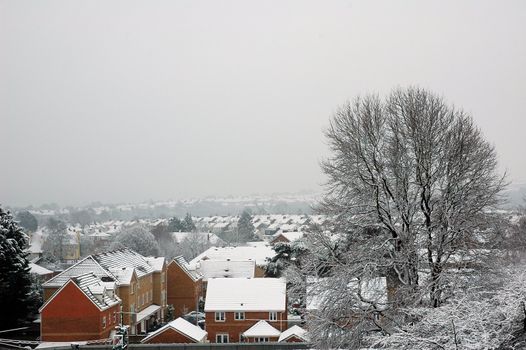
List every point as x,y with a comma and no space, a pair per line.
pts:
71,316
294,339
182,291
169,336
235,328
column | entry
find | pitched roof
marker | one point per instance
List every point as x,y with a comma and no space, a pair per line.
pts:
182,326
262,329
245,294
258,253
98,292
183,264
294,331
39,270
95,289
124,258
226,269
84,266
156,263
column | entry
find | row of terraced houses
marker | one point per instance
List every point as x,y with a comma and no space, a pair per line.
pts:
89,299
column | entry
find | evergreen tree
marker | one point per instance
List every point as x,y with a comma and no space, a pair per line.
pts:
245,228
15,280
188,223
175,225
27,221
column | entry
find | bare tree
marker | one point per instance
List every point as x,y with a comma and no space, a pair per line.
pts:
417,169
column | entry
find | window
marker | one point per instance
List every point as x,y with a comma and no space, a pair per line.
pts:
239,316
115,317
104,322
220,316
162,277
261,340
273,316
151,295
221,338
132,288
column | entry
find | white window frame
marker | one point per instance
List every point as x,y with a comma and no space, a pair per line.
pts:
239,316
273,316
261,339
103,322
221,318
220,337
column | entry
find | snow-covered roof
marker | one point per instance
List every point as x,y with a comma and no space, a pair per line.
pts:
246,294
124,258
39,270
94,289
189,270
261,329
226,269
122,274
290,236
257,253
182,326
294,331
84,266
156,263
208,236
150,310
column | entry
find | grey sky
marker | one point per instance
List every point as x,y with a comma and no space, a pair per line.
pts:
129,101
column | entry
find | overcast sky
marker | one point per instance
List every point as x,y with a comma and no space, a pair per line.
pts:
127,101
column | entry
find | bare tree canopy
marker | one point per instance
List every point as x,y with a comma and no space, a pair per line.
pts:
418,169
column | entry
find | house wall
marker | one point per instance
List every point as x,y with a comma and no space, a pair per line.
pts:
124,293
182,291
159,290
259,272
169,336
71,316
234,328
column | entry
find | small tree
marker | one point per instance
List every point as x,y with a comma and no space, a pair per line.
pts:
27,221
15,280
53,247
175,225
139,239
170,313
245,228
188,223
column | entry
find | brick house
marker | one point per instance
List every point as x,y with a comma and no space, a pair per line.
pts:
234,305
177,331
84,308
140,283
184,287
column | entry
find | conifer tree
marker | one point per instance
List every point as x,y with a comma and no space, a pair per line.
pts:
245,228
15,280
